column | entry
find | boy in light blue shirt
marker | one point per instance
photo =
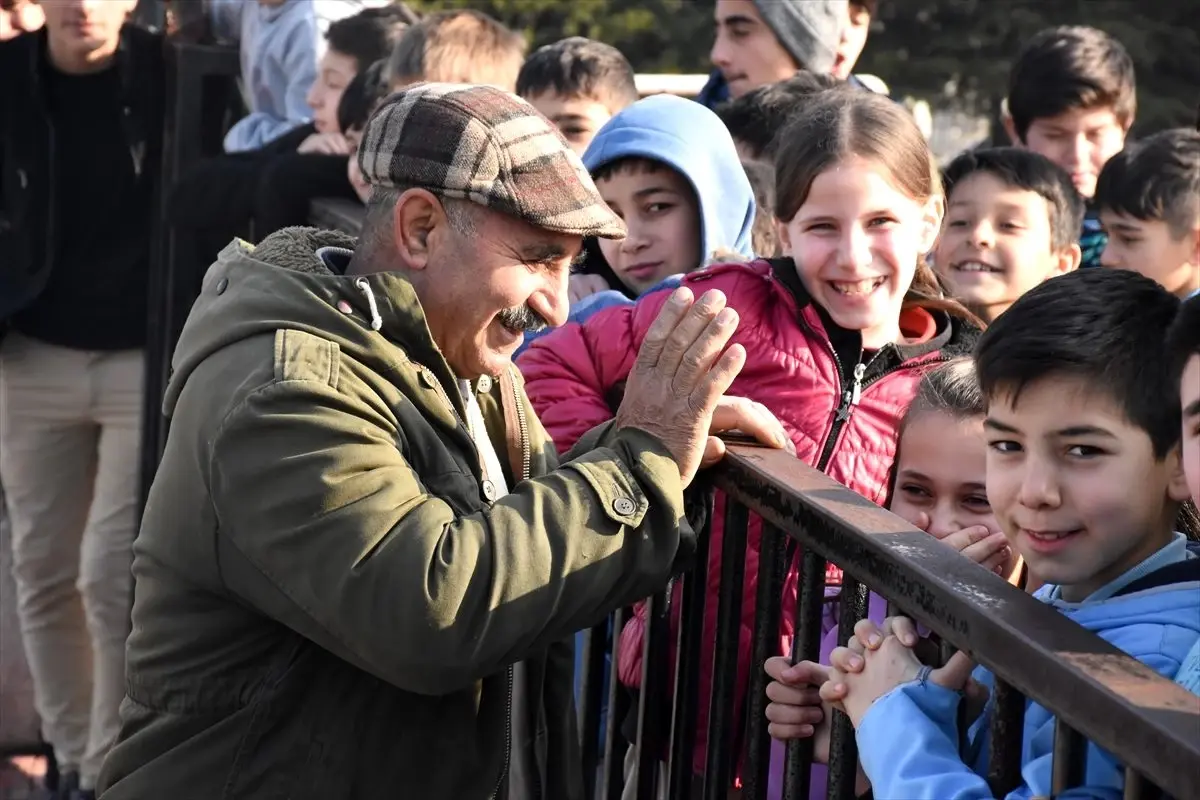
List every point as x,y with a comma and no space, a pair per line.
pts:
281,44
1084,475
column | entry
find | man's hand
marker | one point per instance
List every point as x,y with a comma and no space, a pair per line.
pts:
330,144
681,372
581,286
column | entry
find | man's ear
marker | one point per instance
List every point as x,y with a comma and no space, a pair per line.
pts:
415,217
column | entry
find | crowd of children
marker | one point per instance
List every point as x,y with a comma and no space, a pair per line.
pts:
862,328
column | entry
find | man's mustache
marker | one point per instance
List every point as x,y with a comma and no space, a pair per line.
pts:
522,319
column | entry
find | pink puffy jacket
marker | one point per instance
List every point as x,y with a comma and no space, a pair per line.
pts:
574,377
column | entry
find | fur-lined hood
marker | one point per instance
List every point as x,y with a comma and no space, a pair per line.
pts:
287,283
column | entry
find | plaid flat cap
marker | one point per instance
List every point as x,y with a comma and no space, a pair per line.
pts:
483,144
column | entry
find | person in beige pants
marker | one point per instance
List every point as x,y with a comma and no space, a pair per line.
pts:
81,120
70,427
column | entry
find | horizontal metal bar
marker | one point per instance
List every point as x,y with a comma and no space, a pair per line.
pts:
1112,699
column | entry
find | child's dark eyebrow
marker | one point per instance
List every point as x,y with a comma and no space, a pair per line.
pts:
999,426
1192,409
1083,430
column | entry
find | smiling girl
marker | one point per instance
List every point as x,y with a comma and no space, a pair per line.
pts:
837,334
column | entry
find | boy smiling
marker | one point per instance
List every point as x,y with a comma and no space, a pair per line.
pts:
1085,479
1012,221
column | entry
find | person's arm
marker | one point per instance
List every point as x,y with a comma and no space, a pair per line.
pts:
298,65
341,541
908,737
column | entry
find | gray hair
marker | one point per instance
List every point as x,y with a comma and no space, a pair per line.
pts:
460,214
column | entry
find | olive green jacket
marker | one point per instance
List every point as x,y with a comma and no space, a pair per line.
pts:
328,602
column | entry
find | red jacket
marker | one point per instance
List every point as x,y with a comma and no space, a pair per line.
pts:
798,365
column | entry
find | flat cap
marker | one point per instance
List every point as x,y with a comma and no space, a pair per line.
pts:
483,144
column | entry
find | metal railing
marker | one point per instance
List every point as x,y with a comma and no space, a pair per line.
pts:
1096,691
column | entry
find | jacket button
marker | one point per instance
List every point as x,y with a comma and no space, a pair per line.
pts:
222,285
489,490
426,379
624,506
485,384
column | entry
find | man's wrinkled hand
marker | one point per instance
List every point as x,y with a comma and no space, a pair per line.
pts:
682,370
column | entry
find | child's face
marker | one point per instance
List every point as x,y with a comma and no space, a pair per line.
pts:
1080,140
334,74
1076,486
1149,247
1189,391
745,50
854,39
856,241
577,118
941,476
995,244
660,210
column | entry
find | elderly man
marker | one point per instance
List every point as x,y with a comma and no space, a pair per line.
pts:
360,560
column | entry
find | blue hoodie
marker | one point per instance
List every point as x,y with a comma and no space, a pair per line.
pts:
694,142
908,739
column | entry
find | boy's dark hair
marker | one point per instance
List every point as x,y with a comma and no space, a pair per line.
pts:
370,34
579,67
362,96
1156,178
755,118
1183,339
1029,171
629,164
1104,326
1069,67
458,46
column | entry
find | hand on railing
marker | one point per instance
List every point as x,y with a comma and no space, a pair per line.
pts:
675,390
877,659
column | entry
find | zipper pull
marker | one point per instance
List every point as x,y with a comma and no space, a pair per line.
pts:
860,370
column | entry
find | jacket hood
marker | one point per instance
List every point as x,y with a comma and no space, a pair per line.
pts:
693,141
286,283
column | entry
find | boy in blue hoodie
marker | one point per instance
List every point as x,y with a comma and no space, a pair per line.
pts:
1084,475
670,170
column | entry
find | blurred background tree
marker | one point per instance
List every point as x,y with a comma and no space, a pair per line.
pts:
953,53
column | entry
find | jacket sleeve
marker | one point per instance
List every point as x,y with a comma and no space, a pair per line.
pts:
571,374
324,527
908,748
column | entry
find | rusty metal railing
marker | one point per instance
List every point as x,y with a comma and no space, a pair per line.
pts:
1096,692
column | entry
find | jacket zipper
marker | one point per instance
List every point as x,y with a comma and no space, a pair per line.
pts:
526,460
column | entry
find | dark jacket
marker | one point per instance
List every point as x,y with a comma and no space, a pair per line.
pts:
28,179
329,598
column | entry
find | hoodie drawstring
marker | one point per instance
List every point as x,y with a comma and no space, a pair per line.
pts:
365,288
